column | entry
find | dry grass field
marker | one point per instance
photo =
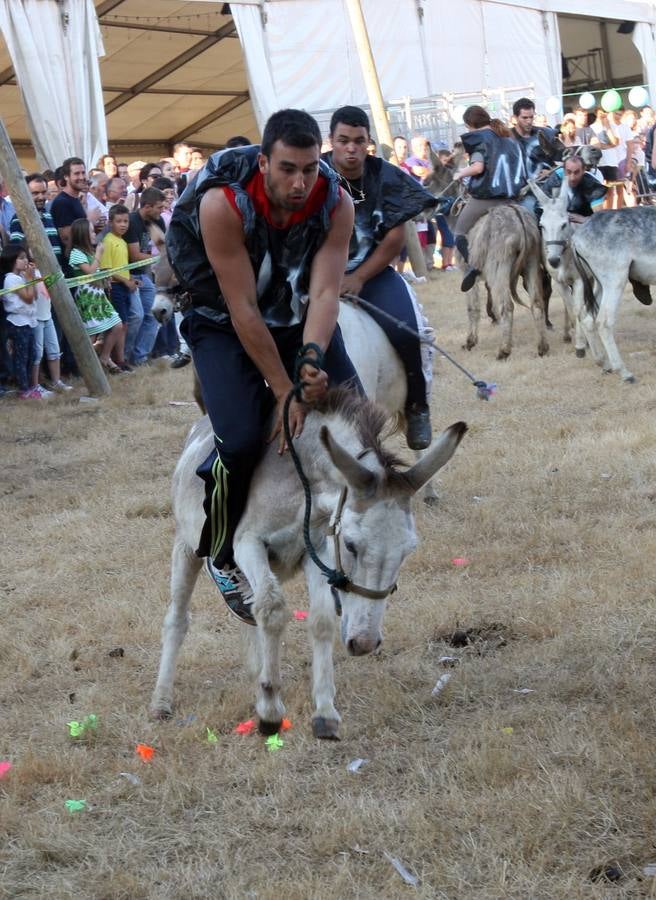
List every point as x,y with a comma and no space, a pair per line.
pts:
484,791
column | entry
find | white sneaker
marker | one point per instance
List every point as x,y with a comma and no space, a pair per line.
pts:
60,388
39,389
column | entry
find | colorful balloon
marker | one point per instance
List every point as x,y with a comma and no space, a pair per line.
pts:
611,101
638,96
553,105
587,100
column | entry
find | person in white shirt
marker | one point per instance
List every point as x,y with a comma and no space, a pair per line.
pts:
21,315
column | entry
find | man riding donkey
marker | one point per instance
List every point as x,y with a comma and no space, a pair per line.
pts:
260,240
385,197
496,175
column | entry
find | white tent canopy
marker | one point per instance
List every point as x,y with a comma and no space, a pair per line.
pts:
421,48
63,122
175,69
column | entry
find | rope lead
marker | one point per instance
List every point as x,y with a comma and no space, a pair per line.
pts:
336,579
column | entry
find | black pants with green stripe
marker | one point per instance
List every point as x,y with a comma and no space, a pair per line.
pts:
239,405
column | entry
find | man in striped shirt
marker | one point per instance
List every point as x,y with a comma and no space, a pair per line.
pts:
38,188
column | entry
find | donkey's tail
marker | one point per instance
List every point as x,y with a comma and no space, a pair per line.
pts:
589,281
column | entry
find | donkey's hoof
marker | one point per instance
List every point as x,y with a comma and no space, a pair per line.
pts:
431,500
567,339
630,379
503,354
160,713
580,352
325,729
543,349
268,728
469,344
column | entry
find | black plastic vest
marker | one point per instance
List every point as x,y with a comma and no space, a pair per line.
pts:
504,175
583,195
392,197
281,258
535,159
649,149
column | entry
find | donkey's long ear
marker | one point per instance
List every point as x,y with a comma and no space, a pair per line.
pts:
563,196
437,455
358,476
540,195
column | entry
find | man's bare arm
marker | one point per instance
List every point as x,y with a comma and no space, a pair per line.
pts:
387,251
223,237
326,276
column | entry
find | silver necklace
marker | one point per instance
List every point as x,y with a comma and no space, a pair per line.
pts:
359,196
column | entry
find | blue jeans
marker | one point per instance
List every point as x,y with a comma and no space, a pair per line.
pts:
135,318
150,326
22,339
45,333
239,404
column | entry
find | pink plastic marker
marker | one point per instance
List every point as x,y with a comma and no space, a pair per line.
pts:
300,614
460,561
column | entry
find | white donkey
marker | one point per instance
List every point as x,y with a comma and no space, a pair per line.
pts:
361,520
557,231
606,251
611,248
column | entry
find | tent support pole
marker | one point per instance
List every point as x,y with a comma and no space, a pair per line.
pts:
381,122
44,256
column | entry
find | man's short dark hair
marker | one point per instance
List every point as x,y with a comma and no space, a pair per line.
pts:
118,209
399,137
574,158
162,184
71,161
352,116
293,127
150,197
238,141
522,103
36,176
48,175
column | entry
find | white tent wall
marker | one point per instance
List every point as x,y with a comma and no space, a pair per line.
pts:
60,86
467,52
644,38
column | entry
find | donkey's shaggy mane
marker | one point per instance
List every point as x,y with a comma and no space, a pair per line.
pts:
368,419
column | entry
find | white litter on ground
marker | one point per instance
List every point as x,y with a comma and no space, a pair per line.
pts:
441,683
408,877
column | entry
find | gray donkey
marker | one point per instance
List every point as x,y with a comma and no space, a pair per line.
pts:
361,523
598,258
505,245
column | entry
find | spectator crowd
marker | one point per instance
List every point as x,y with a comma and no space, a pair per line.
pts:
117,213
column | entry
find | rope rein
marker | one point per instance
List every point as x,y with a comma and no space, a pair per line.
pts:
337,578
484,389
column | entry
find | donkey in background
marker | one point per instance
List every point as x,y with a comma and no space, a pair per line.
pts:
599,257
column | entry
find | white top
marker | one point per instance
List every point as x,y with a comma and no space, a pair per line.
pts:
611,156
42,302
18,311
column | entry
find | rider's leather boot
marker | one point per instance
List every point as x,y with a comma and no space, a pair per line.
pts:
418,426
471,274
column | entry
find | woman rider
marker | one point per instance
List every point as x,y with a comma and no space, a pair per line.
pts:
496,175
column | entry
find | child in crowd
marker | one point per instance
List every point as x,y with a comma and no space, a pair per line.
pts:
114,256
46,335
98,314
21,316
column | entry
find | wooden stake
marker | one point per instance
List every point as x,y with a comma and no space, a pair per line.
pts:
46,261
381,122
